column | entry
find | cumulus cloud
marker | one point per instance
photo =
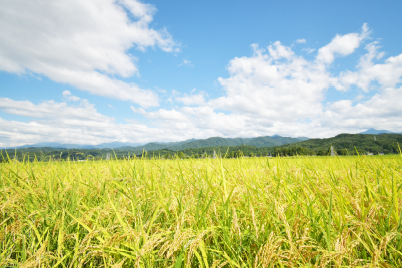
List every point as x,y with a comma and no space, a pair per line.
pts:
359,97
54,111
68,96
301,41
197,119
276,51
387,74
192,99
82,43
277,91
271,88
267,83
342,45
273,91
52,121
382,111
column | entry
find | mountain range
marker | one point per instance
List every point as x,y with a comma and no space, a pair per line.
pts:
266,141
387,143
56,145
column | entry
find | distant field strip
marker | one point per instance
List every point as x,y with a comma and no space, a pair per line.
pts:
246,212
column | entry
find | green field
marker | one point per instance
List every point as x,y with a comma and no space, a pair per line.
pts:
245,212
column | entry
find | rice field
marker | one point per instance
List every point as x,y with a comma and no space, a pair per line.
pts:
246,212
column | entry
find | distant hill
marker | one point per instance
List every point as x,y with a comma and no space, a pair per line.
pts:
343,144
154,146
385,143
303,138
266,141
114,144
260,145
375,131
216,142
56,145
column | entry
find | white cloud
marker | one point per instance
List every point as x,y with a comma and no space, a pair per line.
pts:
309,50
301,41
193,99
196,119
359,97
383,111
54,111
262,86
342,45
277,91
276,51
187,63
273,91
82,124
82,43
68,96
387,74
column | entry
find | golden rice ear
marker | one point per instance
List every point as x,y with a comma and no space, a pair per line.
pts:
291,211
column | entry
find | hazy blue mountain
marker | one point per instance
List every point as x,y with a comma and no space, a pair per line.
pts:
214,141
152,146
303,138
375,131
177,142
42,144
115,144
55,145
155,146
266,141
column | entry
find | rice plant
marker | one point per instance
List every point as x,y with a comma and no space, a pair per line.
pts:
245,212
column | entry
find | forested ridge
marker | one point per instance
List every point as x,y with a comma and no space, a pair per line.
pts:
350,144
344,144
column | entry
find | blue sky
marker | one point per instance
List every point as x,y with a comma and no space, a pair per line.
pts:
133,71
